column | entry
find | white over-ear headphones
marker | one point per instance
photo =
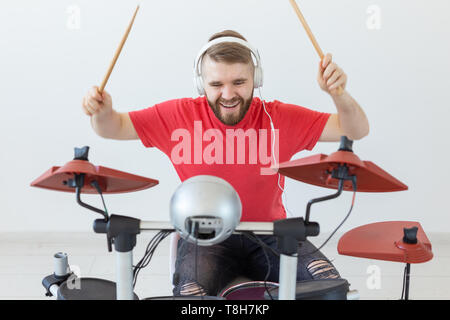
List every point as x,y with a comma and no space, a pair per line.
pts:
198,81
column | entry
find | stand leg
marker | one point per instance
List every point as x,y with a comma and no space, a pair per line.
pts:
408,271
288,276
124,269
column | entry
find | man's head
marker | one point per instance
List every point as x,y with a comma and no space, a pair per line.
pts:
227,70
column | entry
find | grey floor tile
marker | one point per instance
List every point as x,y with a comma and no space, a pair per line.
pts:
25,258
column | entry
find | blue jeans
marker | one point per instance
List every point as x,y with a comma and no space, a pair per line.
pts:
219,264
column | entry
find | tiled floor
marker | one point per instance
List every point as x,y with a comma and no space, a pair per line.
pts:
26,258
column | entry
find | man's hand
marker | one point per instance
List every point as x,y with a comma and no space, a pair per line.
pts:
350,120
330,76
105,121
95,103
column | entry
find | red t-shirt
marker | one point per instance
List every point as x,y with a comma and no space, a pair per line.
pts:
198,143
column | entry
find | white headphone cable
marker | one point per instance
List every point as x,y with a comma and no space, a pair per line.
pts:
283,193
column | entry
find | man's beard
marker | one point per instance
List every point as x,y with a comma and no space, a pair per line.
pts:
231,119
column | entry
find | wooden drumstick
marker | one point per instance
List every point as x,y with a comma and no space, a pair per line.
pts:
119,49
310,35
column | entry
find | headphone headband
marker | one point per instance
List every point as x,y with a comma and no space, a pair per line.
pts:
197,63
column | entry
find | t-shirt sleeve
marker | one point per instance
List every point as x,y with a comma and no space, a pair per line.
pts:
300,126
154,125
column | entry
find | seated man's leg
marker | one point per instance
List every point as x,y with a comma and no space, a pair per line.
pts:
312,264
257,268
217,265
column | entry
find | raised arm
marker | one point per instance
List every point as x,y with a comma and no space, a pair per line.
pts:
105,121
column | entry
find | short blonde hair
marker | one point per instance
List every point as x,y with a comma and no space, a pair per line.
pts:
229,52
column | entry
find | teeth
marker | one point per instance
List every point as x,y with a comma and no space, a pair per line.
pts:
231,105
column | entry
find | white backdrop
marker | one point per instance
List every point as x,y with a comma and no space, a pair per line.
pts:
51,52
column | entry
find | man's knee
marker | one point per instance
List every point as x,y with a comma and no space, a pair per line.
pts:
192,289
322,269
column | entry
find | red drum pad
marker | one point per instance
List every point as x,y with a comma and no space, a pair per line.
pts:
316,170
109,180
384,241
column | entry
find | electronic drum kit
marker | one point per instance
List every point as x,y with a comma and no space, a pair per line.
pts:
212,205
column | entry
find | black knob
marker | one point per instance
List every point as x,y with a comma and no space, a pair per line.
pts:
346,144
312,229
410,235
81,153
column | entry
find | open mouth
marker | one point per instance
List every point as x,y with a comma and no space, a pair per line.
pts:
230,106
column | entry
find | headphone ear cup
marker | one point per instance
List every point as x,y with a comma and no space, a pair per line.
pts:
198,81
258,78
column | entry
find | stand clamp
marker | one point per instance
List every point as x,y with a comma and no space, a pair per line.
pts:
290,231
120,230
54,279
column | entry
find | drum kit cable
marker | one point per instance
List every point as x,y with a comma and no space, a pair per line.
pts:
399,241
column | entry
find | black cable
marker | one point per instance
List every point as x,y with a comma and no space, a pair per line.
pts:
250,235
99,190
97,187
147,256
150,247
404,284
332,234
191,231
149,251
194,231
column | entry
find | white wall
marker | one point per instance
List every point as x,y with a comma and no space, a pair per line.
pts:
399,74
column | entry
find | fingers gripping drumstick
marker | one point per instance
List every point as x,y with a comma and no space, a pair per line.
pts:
119,49
310,34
